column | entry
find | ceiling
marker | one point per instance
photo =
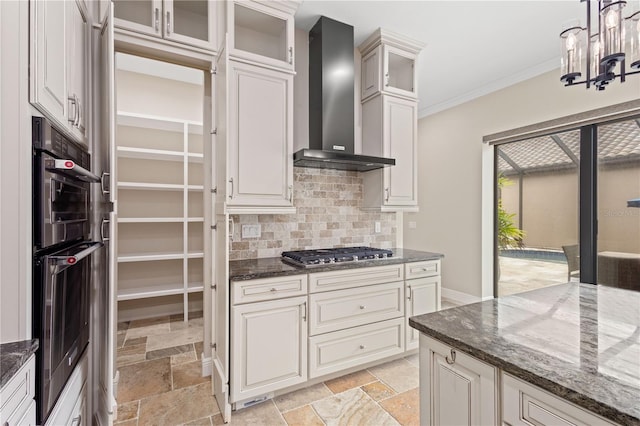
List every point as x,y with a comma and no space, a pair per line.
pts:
472,47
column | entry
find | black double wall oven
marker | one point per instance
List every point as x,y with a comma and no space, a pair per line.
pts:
61,259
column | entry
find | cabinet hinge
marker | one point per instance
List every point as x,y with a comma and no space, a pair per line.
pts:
214,287
213,346
214,190
213,70
214,131
214,226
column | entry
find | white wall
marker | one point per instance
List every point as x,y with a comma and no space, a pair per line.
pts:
455,170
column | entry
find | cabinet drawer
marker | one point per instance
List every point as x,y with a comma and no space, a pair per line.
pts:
335,310
526,404
427,268
17,394
348,348
268,288
66,407
333,280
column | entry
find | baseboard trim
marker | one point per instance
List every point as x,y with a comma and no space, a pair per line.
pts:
460,297
207,367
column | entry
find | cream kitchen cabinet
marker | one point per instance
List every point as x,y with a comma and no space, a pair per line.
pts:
187,22
58,64
269,344
356,316
525,404
71,409
456,389
390,129
389,65
422,290
262,32
256,139
17,406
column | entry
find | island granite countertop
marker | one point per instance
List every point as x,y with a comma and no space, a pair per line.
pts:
580,342
242,270
13,356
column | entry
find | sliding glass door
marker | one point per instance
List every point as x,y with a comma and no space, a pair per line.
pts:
537,212
568,209
618,194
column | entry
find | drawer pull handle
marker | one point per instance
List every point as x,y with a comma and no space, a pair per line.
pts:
273,290
362,346
453,357
362,306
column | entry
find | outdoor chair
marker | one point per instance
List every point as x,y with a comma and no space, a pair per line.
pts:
572,254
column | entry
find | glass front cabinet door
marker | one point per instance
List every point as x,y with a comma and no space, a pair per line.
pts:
188,22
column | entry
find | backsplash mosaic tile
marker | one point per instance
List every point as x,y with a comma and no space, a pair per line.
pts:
327,215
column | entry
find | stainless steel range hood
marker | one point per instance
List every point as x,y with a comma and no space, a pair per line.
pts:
331,97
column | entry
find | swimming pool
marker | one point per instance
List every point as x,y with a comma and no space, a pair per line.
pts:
544,255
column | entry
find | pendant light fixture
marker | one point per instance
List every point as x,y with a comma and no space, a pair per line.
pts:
600,55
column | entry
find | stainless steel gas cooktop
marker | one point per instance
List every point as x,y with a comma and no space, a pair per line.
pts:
309,258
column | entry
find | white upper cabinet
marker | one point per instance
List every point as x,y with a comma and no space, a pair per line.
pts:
58,64
389,65
48,71
77,44
262,31
188,22
260,150
390,129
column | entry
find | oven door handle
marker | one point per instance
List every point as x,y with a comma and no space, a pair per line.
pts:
70,165
73,259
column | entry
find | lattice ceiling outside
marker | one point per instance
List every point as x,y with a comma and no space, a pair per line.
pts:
616,142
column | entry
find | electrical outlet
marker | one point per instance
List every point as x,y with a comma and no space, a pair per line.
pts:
376,227
251,231
412,225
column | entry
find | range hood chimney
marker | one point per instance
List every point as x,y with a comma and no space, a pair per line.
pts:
331,97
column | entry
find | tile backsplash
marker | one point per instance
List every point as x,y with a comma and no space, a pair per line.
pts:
327,214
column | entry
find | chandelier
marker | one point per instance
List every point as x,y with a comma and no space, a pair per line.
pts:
612,51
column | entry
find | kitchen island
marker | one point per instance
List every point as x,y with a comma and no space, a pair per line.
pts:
566,354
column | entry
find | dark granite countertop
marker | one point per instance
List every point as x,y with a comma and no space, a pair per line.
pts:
242,270
13,356
578,341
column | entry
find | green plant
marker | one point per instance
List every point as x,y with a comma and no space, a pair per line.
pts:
509,235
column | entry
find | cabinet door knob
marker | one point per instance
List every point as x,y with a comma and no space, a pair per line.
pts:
362,346
362,306
453,357
273,289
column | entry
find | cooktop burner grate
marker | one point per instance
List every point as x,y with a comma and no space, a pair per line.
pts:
308,258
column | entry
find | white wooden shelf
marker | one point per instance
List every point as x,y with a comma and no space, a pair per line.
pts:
157,291
156,122
149,257
146,292
159,219
158,186
157,154
195,287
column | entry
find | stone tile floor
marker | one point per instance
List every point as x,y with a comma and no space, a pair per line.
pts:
161,384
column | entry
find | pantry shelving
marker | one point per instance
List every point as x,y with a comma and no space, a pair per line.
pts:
160,205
